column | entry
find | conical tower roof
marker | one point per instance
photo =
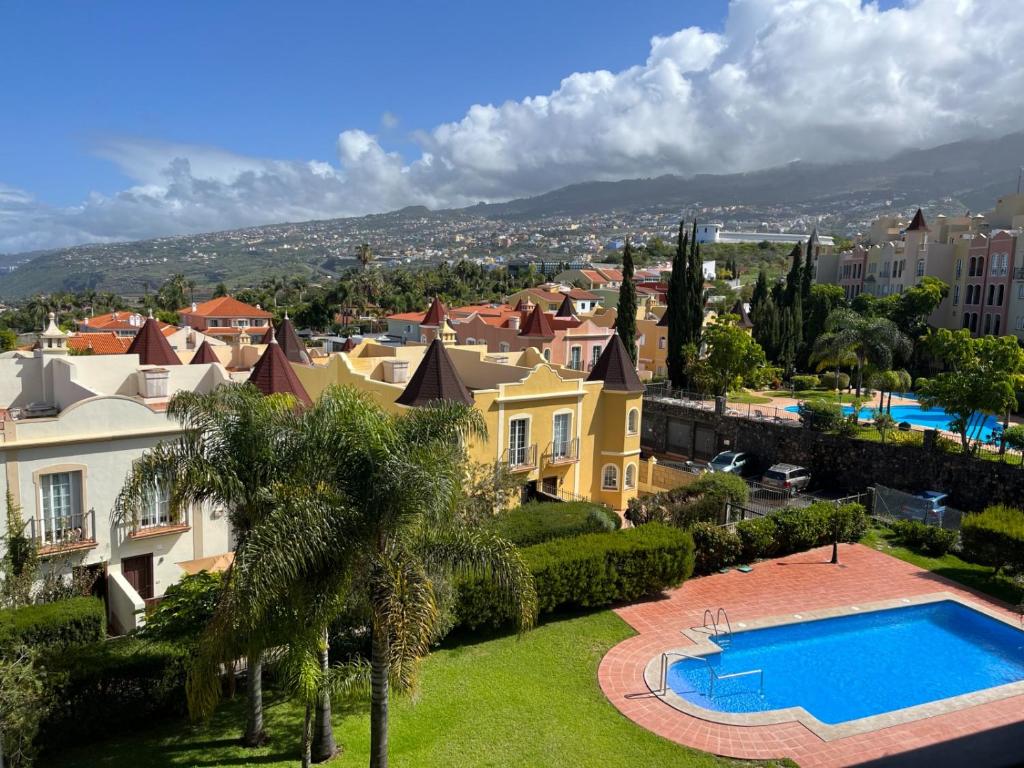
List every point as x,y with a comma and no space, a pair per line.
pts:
290,342
204,355
917,223
567,308
663,320
152,346
615,368
522,306
349,345
537,324
435,379
273,374
740,309
436,314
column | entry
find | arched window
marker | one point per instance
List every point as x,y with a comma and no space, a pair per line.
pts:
981,265
630,476
633,421
471,340
547,354
974,322
991,294
999,296
661,342
995,326
956,295
610,477
988,324
967,319
503,346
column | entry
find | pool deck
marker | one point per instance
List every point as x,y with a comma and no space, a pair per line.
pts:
795,584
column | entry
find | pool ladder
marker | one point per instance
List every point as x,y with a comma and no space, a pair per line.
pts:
712,621
712,675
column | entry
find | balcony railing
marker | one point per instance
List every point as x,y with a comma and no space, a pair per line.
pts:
153,525
522,458
563,452
75,531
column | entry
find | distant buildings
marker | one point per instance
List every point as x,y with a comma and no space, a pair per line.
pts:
713,233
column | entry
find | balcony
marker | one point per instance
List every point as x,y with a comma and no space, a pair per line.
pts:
155,526
563,452
70,533
521,458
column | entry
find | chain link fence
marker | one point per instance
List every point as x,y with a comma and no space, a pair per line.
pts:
893,504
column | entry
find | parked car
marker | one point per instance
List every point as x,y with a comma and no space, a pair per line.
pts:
732,462
933,504
787,477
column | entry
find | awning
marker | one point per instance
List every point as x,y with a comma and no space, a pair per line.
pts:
213,563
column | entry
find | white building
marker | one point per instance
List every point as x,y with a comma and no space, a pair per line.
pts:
70,428
713,233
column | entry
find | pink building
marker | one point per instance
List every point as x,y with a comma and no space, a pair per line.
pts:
988,283
852,264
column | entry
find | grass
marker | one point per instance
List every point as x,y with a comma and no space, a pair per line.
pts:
950,566
509,702
813,394
746,397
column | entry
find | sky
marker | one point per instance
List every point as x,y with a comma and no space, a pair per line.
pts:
125,120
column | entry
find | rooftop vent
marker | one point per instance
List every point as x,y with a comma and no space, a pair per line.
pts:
396,371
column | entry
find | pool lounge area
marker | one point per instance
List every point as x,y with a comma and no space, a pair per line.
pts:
982,426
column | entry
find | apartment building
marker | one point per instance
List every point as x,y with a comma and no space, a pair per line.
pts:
227,318
70,428
562,431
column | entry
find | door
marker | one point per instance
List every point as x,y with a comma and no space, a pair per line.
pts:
517,442
560,444
138,571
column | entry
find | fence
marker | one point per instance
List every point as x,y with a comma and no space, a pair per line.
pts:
656,476
772,502
893,504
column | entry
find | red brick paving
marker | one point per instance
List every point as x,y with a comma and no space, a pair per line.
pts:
801,582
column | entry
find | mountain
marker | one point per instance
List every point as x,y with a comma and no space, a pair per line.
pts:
970,174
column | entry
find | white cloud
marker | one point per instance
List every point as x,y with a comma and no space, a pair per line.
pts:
822,80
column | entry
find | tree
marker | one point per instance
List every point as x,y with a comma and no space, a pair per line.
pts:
1013,437
22,705
731,356
364,255
381,505
676,310
870,340
884,423
819,304
8,339
695,297
220,291
981,377
237,443
625,318
19,559
791,328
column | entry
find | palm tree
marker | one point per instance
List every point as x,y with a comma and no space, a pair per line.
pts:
379,504
365,255
871,340
235,445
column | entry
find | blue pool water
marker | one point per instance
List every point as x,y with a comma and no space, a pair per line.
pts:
927,418
856,666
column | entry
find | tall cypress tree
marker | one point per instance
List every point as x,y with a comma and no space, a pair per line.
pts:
676,309
807,277
695,297
791,327
625,320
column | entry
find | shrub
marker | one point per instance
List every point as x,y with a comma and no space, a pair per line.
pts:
758,537
930,539
703,500
813,526
57,625
832,381
994,537
802,382
821,415
590,570
714,547
127,681
536,522
185,609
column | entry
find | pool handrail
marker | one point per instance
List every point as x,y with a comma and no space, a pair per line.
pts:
712,675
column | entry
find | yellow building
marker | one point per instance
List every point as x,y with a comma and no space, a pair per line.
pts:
562,431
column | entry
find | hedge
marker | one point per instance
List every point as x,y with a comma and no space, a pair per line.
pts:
821,415
714,547
588,571
832,381
994,537
123,683
701,501
929,539
804,382
537,522
57,625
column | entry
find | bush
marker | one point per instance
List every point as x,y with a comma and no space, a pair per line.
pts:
587,571
62,624
758,538
994,537
821,415
537,522
929,539
703,500
127,681
714,547
185,609
832,381
814,526
803,383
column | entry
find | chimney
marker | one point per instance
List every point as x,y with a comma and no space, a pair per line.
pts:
194,307
396,371
153,383
513,322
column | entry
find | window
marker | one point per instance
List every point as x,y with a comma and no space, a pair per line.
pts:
633,421
518,434
956,295
241,322
630,479
504,347
967,319
470,340
988,324
661,342
981,265
641,340
991,294
157,508
408,329
547,354
561,436
61,505
995,325
1020,291
999,296
920,267
959,266
595,355
610,477
576,358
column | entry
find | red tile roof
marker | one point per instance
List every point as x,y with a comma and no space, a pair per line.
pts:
273,374
537,324
204,355
435,379
416,317
436,314
123,320
151,346
225,306
613,275
615,368
101,343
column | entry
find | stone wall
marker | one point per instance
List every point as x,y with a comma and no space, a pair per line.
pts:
837,463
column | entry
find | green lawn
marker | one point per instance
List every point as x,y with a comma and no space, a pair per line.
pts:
972,575
505,702
812,394
745,396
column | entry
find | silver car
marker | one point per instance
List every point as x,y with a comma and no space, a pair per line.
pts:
787,477
729,461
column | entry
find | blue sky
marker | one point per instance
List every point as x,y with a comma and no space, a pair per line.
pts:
277,79
125,120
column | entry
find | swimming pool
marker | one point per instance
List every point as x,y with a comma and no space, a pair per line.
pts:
929,419
855,666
